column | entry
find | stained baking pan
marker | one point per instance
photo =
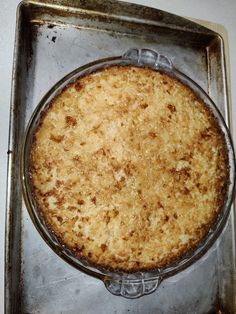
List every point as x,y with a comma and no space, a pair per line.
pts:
53,38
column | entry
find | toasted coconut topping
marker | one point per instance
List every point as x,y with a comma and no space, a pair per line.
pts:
129,168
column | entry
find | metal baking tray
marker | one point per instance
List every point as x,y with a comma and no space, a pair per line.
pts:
52,38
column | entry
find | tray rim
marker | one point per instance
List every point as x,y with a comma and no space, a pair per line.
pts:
87,8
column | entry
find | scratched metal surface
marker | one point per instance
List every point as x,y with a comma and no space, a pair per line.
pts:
52,40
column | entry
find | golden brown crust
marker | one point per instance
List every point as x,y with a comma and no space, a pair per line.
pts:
129,168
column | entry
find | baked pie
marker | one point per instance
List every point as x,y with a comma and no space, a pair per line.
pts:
129,168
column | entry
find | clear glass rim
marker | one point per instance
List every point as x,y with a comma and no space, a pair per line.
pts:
129,58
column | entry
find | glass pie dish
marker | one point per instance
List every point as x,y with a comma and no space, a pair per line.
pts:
129,285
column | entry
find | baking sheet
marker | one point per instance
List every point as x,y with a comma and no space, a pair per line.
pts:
52,39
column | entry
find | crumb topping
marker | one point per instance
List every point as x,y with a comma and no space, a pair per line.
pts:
129,168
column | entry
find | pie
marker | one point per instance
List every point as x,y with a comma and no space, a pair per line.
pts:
129,168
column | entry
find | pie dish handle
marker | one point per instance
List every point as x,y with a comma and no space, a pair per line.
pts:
131,288
149,58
